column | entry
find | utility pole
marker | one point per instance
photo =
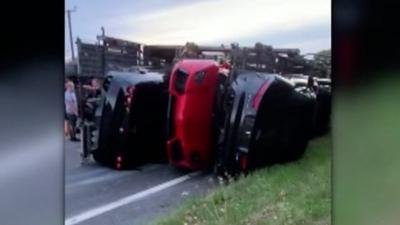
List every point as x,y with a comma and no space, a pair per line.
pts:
101,41
70,32
103,56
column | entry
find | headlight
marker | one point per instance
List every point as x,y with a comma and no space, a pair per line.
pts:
199,77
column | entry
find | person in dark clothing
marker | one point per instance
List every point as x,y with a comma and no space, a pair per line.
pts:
93,92
93,89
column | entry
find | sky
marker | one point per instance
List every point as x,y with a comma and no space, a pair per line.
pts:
304,24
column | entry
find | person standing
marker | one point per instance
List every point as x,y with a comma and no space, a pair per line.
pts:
71,108
93,93
94,88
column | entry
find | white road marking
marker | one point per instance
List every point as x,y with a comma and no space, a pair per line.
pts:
73,176
97,179
126,200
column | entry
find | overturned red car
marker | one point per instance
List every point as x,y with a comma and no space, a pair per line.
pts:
193,88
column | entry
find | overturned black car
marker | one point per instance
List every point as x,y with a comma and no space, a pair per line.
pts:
321,88
128,128
266,121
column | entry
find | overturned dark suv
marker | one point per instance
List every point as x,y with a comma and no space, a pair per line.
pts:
266,121
129,126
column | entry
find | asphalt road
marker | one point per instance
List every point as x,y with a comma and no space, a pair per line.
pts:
96,195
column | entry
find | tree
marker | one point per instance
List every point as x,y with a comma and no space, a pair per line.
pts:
322,62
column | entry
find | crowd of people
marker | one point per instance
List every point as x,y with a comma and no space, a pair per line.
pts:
73,113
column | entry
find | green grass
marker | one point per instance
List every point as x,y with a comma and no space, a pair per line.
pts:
292,193
366,136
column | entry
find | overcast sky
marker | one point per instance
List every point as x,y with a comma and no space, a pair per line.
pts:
301,24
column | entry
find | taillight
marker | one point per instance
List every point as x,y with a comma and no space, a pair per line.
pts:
130,90
260,93
128,100
243,162
118,166
118,162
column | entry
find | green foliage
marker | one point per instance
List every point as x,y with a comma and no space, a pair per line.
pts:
292,193
322,62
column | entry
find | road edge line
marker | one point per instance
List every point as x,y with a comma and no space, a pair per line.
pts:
126,200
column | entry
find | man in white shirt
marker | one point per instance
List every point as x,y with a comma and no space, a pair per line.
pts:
71,108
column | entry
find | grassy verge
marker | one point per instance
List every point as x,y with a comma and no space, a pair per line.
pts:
293,193
366,141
